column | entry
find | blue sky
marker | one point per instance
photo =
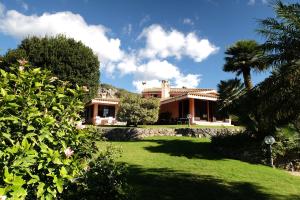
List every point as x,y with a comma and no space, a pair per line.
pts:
150,40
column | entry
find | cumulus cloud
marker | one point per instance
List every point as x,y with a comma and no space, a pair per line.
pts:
156,70
2,9
24,5
190,81
252,2
188,21
162,44
72,25
128,65
127,29
140,85
144,20
153,71
151,67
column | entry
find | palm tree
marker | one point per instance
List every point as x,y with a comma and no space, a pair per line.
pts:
282,34
243,56
229,91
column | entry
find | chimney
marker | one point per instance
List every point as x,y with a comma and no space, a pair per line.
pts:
165,89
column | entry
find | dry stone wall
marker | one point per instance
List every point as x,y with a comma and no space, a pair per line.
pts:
125,134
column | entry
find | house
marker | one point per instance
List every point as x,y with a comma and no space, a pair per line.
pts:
180,103
102,109
176,103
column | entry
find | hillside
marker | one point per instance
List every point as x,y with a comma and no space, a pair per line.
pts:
119,91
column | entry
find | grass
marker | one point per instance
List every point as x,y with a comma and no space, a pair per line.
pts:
187,168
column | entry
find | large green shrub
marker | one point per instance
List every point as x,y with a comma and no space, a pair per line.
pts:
41,149
286,149
137,110
44,153
104,180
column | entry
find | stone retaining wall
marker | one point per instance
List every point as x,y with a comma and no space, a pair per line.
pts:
112,133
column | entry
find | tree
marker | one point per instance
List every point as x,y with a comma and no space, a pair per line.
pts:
137,110
242,57
68,59
229,92
278,96
282,34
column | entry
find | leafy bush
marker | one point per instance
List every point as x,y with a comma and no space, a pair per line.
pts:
286,149
137,110
42,148
243,146
104,179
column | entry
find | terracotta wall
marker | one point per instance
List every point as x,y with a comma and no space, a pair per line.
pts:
146,95
171,108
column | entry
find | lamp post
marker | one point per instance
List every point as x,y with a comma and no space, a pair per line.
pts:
269,140
189,116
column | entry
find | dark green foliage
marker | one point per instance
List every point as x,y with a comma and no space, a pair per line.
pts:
11,57
277,98
229,91
38,116
137,110
242,57
287,146
68,59
282,34
104,179
43,151
243,146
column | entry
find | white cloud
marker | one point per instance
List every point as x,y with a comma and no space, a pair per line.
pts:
127,29
144,20
156,70
128,65
162,44
198,49
252,2
2,9
188,21
190,81
140,85
152,67
24,5
72,25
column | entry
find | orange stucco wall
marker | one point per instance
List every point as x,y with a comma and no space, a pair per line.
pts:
151,94
171,108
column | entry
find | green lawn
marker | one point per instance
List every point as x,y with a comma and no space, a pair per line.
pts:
187,168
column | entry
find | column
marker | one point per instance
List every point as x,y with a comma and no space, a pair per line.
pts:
116,110
95,113
192,109
207,108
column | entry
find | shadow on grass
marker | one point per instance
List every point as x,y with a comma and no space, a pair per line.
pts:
168,184
163,184
186,148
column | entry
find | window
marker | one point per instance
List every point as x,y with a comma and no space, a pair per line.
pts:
106,111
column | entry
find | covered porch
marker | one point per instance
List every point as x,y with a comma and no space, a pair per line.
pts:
201,109
102,111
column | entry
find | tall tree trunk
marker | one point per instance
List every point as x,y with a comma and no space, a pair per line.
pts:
247,79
